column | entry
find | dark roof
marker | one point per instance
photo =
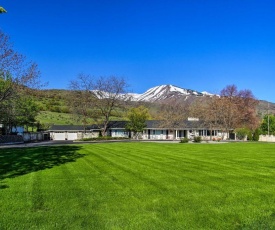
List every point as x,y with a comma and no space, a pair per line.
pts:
73,127
150,124
117,124
157,124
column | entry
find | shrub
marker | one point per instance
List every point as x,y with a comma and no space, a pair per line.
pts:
64,109
250,136
241,133
184,140
256,135
197,139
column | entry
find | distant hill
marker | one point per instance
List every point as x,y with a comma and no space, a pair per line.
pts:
265,107
54,108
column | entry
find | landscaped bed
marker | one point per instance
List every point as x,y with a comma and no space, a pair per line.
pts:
138,186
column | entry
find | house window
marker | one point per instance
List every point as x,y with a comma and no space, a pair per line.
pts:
154,132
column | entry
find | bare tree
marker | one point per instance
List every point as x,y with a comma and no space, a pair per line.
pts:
81,99
239,108
174,111
110,92
99,98
16,74
209,111
232,109
247,108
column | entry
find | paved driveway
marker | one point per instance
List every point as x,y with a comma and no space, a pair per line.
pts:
35,144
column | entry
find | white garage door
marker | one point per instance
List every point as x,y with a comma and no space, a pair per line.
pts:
72,136
59,136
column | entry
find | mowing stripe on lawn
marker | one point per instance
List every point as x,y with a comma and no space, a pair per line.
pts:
139,186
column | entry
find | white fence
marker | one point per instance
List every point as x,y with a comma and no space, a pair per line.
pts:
267,138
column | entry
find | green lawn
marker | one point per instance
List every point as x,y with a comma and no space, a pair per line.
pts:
138,186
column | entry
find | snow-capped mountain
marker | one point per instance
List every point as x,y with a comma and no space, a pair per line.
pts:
163,92
157,93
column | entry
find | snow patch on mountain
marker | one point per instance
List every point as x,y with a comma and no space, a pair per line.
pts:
166,91
158,93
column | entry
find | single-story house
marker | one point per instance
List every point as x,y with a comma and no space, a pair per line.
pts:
155,130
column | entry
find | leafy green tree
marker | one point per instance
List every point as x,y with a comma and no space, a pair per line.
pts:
137,120
27,110
17,78
2,10
6,89
20,111
268,123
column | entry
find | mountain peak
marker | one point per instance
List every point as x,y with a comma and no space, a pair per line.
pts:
162,92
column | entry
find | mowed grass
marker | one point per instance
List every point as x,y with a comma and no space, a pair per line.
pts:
138,186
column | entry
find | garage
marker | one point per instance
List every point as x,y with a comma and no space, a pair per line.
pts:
59,136
71,132
72,136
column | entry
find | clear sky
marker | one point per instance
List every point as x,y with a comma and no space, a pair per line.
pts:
197,44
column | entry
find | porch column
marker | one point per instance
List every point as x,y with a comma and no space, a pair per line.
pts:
176,134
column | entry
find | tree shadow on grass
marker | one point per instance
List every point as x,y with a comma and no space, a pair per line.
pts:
17,162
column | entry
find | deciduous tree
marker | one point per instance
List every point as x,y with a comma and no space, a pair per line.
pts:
239,108
99,98
174,111
137,120
268,124
232,109
17,75
110,92
81,99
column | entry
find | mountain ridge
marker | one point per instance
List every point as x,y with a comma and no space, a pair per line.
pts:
163,92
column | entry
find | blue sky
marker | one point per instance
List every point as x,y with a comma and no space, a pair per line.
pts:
197,44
